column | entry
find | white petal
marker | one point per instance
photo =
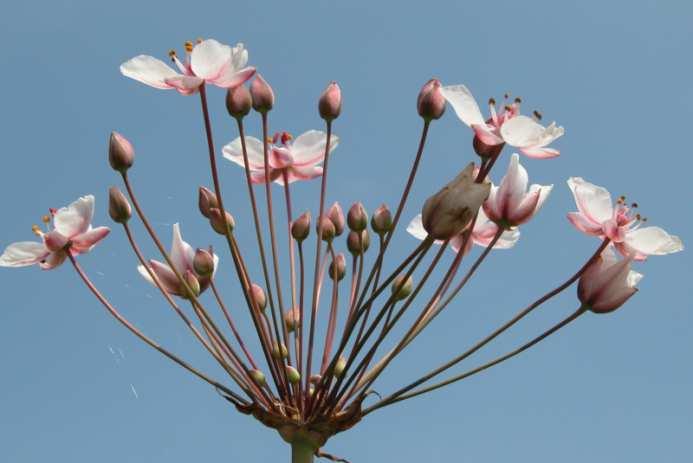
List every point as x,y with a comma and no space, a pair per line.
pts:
75,218
513,187
522,131
593,201
508,239
239,57
22,254
148,70
416,228
182,253
464,104
544,191
653,241
309,147
209,58
234,152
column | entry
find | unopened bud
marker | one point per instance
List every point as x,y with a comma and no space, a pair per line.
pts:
315,379
336,215
279,352
258,295
292,374
203,263
339,366
238,101
292,319
258,377
326,229
337,267
118,206
300,228
357,218
206,201
54,241
358,244
218,223
330,103
192,282
262,94
381,222
430,104
401,289
449,211
121,154
486,151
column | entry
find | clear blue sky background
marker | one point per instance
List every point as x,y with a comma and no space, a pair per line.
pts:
616,74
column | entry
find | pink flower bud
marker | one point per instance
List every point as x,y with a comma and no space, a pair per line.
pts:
358,245
262,94
449,211
300,229
401,288
203,263
121,154
430,104
118,206
357,218
238,101
217,221
292,319
55,241
337,217
326,229
337,268
330,103
206,201
258,295
381,222
607,283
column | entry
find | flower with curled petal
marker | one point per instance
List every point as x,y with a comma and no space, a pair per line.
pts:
524,133
294,160
607,283
208,61
72,232
597,216
182,256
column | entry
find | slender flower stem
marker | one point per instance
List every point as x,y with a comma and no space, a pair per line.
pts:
302,274
231,323
332,322
483,367
235,398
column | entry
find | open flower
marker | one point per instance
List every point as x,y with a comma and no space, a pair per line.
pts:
182,255
207,61
511,204
483,232
72,232
297,159
597,216
607,283
509,126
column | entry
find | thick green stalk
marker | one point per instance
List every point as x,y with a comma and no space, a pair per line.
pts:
302,452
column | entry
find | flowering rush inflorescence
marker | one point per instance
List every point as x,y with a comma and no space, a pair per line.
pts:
310,388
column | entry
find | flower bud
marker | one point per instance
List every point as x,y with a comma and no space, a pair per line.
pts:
311,389
292,374
430,104
486,151
337,267
292,319
118,206
262,94
258,377
238,101
258,295
279,351
206,200
381,222
339,366
607,283
336,215
358,245
325,229
192,282
217,221
55,241
401,289
300,228
449,211
315,379
330,103
357,218
203,263
121,154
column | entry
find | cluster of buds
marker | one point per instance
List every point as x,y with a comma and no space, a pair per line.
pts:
284,384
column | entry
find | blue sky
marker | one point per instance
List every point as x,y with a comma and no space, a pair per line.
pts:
616,75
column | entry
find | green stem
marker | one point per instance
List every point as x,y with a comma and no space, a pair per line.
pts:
302,452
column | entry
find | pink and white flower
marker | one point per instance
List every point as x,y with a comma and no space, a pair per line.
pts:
512,204
182,255
205,62
597,216
509,126
297,159
482,234
72,232
607,283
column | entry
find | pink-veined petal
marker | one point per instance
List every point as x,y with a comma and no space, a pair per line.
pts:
22,254
84,242
583,224
486,134
187,85
280,157
524,132
309,148
231,78
513,186
300,173
149,71
464,104
594,202
525,210
182,253
540,153
209,59
653,241
75,218
53,260
234,153
164,274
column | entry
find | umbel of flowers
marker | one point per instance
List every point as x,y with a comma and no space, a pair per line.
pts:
310,388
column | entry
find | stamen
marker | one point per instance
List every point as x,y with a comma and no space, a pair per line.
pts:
172,54
37,230
199,40
286,137
271,139
46,219
506,95
189,46
492,102
537,114
644,219
518,100
634,205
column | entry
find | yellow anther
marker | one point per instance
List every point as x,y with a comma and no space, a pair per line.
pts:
172,54
46,219
37,230
269,140
189,46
